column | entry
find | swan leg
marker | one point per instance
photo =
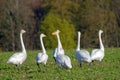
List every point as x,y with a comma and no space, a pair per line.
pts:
92,63
80,64
39,69
54,59
45,69
100,62
18,67
38,65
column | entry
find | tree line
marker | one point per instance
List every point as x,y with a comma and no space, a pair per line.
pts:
69,16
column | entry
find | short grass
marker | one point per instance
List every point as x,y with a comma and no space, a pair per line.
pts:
108,69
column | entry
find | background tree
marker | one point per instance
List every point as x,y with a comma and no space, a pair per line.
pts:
87,16
51,23
14,18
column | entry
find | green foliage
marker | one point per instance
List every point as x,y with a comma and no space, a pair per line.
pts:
95,15
51,23
69,16
108,69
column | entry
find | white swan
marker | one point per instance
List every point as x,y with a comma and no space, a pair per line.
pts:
82,55
42,57
59,44
55,52
98,54
61,59
19,58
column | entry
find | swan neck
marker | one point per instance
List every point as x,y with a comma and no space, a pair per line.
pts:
59,42
78,43
43,48
101,44
22,43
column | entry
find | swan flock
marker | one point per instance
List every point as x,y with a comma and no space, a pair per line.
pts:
58,53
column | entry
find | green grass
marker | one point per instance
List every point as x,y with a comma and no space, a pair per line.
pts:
108,69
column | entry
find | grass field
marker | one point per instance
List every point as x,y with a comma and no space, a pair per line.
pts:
108,69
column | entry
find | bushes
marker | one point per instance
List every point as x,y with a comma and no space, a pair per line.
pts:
51,23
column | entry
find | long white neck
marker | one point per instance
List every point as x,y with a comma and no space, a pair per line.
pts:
43,48
23,47
59,43
101,44
78,43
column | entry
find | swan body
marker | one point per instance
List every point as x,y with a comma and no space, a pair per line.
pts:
60,46
98,54
82,55
55,52
42,57
20,57
61,59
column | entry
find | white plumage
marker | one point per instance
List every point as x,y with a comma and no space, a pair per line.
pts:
42,57
19,58
61,59
82,55
55,52
98,54
60,47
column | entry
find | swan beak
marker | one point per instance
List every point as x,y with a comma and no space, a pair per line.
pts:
44,35
54,33
102,31
23,31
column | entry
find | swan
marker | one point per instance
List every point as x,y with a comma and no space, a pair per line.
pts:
61,59
18,58
42,57
98,54
55,50
82,55
60,46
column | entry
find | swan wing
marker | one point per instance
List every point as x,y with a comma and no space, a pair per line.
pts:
97,54
61,51
38,57
94,52
83,55
64,61
17,58
55,52
41,58
67,62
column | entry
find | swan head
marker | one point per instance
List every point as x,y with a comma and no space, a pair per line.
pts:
100,31
22,31
79,33
42,35
56,32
